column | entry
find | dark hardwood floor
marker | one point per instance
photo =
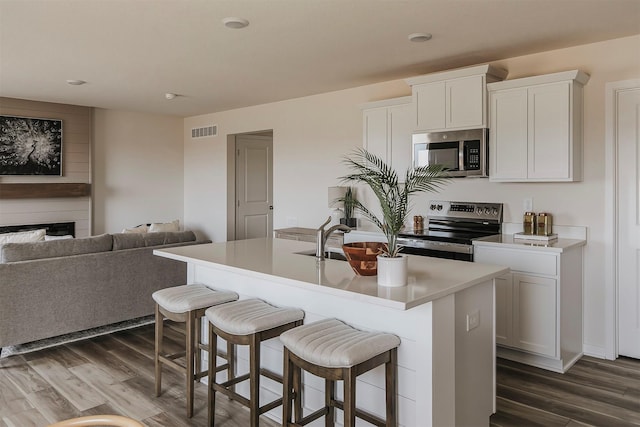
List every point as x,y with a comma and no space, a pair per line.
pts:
110,374
593,392
114,374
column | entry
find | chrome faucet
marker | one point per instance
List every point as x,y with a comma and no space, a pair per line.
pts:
322,236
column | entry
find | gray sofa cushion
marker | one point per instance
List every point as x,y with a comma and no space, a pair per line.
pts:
140,240
13,252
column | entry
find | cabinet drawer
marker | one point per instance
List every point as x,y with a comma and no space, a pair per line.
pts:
518,260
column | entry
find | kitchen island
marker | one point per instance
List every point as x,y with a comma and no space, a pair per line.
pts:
444,317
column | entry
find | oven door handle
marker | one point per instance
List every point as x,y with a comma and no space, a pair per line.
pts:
433,245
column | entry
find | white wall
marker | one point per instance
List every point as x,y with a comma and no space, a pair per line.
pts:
312,134
137,169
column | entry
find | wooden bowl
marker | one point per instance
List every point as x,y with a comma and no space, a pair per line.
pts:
362,257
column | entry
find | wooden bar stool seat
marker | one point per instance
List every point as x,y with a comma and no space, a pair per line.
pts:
332,350
187,304
247,322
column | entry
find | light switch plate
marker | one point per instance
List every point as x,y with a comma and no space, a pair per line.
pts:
473,320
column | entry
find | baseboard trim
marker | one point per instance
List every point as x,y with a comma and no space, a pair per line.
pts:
594,351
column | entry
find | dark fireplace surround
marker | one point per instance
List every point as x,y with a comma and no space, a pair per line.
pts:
53,229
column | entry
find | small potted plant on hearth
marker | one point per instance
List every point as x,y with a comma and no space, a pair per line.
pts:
393,197
349,203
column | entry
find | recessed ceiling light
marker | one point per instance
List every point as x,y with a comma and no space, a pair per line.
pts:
420,37
169,95
75,82
235,23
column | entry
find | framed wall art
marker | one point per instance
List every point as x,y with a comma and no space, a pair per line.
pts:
30,146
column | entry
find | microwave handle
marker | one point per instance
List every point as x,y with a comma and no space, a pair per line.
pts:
462,155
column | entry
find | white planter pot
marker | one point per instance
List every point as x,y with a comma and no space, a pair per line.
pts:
393,272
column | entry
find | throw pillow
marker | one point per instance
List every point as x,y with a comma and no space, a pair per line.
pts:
23,236
166,226
49,238
139,229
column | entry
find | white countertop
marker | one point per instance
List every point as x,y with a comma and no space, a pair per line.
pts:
507,241
429,278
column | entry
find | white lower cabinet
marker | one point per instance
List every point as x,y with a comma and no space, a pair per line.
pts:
534,301
538,305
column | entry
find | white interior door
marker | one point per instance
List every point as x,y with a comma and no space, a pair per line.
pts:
254,188
628,142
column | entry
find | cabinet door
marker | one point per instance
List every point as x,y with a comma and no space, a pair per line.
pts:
376,132
504,304
400,138
549,132
508,138
465,102
534,310
430,107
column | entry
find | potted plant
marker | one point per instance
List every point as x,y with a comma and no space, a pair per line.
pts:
393,197
349,202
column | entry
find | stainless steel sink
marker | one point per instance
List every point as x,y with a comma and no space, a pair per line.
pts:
327,254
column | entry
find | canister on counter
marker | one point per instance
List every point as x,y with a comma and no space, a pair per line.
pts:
544,224
529,223
418,224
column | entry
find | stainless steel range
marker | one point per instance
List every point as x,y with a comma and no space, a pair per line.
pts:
451,228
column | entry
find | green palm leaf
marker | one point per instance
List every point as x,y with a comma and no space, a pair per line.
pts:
392,195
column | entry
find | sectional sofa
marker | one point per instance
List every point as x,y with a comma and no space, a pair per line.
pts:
51,288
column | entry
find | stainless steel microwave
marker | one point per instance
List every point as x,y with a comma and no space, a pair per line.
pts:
462,152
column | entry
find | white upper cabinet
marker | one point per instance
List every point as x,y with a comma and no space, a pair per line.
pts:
387,131
536,128
452,100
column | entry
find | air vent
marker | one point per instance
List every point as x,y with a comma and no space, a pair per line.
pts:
204,132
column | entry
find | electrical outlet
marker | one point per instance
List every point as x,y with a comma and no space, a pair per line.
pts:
473,320
527,204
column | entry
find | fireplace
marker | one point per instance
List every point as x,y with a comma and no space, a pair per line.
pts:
53,229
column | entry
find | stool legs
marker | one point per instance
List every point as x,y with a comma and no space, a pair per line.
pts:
291,380
329,398
213,350
254,342
254,380
193,351
292,386
159,334
287,384
189,342
349,398
391,387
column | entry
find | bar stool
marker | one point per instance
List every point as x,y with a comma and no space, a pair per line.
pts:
187,304
335,351
247,322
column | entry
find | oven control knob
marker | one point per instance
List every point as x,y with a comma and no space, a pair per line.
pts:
487,210
494,211
432,207
479,211
439,207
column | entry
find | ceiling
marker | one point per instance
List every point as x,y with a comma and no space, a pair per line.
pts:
132,52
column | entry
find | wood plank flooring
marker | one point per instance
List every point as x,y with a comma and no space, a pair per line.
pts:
114,374
594,392
111,374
